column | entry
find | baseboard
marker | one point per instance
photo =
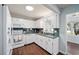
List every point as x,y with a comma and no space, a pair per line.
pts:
17,46
65,53
69,54
59,53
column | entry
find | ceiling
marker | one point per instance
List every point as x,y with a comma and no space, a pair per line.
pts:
62,6
18,10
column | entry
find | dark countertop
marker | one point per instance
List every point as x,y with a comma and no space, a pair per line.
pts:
49,36
45,35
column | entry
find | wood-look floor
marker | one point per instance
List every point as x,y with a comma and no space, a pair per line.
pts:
73,48
31,49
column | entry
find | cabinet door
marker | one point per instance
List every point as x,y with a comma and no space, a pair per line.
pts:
16,22
37,39
45,43
31,38
49,45
55,46
41,41
28,39
37,23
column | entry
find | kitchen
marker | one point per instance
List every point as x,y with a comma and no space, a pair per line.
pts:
41,30
40,25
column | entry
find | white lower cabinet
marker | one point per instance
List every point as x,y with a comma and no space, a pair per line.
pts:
49,44
29,38
55,46
42,42
36,39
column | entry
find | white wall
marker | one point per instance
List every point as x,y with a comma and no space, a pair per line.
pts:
1,29
6,30
63,35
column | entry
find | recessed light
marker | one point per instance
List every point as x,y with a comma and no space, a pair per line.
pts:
29,8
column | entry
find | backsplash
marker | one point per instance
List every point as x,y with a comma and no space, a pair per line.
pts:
32,30
56,32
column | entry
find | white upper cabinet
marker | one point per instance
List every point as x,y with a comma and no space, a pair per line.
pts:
37,23
16,22
51,21
47,22
29,24
40,23
25,23
55,20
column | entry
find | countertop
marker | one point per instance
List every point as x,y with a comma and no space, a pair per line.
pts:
44,34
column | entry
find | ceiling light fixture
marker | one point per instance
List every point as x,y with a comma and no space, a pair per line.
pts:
29,8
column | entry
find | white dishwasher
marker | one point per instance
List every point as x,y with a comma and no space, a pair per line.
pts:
17,34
